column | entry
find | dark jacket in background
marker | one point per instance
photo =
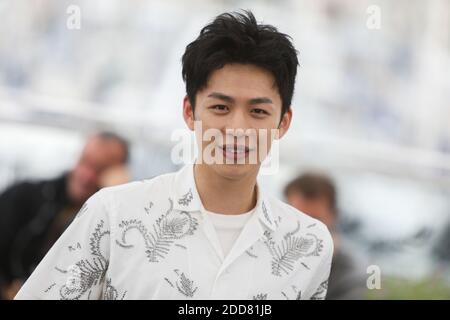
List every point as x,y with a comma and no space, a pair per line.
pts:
441,249
28,212
346,281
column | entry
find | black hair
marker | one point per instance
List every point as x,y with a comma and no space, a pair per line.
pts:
237,38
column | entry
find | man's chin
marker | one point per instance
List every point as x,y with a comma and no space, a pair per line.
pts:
235,171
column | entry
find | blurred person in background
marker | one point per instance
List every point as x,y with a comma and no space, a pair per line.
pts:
315,195
33,215
441,250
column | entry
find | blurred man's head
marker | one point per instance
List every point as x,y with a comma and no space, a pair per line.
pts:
315,195
103,151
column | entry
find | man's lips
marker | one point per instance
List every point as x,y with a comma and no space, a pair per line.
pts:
235,148
235,152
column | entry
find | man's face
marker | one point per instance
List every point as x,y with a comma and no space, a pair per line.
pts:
236,98
97,156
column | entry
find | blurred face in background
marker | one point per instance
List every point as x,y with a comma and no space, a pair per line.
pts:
98,156
238,97
317,207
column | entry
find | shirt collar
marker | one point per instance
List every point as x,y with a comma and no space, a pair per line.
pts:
185,196
184,191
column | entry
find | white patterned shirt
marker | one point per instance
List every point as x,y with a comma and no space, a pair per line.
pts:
150,240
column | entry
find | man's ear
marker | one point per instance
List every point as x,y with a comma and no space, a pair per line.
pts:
188,113
284,123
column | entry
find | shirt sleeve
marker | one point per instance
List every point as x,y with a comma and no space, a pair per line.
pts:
76,265
318,288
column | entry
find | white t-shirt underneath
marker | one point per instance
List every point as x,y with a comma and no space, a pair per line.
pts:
228,227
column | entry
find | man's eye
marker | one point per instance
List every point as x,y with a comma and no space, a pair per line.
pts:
220,107
259,111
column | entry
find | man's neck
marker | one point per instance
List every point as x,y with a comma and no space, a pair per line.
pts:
222,195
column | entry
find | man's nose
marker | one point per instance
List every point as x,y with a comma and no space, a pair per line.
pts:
237,124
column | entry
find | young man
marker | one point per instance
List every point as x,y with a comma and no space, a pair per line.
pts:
207,231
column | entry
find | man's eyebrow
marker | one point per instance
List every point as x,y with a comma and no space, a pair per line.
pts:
221,96
224,97
260,100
